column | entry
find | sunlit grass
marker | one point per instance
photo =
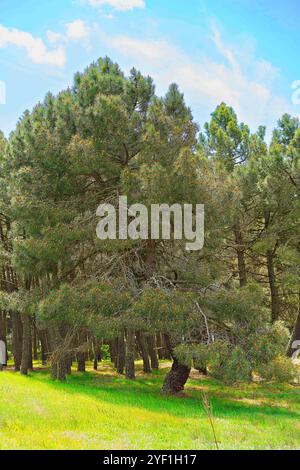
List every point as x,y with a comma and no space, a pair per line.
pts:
104,411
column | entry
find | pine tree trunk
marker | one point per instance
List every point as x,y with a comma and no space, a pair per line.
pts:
275,302
176,379
295,336
17,334
152,352
81,355
130,354
58,363
3,330
45,350
113,351
97,353
80,361
121,354
26,345
141,341
240,255
34,341
159,346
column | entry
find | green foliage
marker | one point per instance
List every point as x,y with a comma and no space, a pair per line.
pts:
233,367
281,369
267,344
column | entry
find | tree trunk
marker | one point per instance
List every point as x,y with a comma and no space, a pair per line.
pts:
113,351
275,302
26,345
3,330
295,336
80,361
45,350
176,379
159,346
17,334
81,355
141,341
58,361
130,354
152,352
240,255
121,354
34,341
97,353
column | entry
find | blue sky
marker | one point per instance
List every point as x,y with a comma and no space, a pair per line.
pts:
243,52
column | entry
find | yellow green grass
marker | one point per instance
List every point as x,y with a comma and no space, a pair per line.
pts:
104,411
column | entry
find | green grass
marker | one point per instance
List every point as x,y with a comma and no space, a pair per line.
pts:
104,411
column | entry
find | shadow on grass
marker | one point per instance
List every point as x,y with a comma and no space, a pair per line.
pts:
144,393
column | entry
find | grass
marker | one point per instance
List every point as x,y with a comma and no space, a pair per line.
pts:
100,410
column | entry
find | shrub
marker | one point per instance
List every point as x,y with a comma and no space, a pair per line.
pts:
281,369
266,345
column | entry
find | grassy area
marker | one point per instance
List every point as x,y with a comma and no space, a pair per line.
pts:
104,411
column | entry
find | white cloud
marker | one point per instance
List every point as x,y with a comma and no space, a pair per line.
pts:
244,82
54,37
77,30
122,5
35,47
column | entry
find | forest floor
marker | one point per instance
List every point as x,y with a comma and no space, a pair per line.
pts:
100,410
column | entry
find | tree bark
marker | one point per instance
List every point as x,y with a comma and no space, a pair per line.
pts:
80,361
58,361
113,351
97,353
121,354
45,350
142,344
176,379
17,334
81,355
34,341
275,301
295,335
130,354
26,345
152,352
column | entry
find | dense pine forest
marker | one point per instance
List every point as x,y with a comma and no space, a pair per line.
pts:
230,311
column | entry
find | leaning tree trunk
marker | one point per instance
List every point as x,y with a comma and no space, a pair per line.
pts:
295,336
130,354
26,345
176,379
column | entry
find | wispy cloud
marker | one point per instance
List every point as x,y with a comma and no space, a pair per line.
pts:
121,5
246,83
35,47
